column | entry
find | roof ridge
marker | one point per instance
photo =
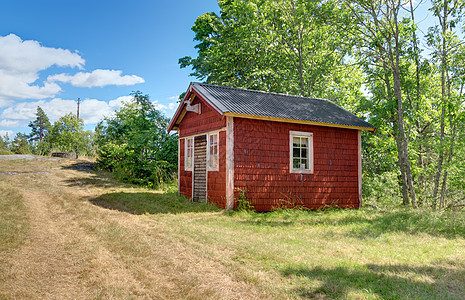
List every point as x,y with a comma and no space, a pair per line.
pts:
264,92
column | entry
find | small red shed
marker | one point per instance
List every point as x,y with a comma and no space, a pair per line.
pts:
281,150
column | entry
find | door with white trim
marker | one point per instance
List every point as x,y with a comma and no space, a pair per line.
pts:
199,189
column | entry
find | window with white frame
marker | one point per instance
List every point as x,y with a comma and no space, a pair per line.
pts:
188,154
212,159
301,152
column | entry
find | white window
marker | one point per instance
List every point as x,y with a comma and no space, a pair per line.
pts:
188,154
212,158
301,152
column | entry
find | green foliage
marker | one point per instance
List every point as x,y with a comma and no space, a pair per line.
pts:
279,46
39,132
134,144
4,142
20,144
381,189
67,134
243,204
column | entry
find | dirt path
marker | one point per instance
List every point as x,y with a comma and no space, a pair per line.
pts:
43,266
77,250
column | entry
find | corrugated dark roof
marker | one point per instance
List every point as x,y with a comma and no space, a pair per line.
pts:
274,105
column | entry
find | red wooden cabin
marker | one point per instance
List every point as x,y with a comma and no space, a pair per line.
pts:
281,150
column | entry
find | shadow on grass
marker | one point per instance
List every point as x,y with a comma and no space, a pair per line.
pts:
96,178
367,223
384,281
151,203
138,203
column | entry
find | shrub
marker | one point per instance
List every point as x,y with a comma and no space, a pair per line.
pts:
128,166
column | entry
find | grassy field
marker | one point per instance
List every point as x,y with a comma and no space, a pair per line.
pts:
68,232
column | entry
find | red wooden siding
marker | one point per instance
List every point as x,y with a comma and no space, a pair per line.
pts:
194,123
216,182
197,124
185,177
261,159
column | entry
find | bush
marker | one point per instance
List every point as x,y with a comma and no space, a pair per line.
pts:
129,166
382,189
6,152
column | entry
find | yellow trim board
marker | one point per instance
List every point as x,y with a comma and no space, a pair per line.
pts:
228,114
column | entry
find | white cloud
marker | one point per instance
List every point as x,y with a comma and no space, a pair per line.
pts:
9,123
97,78
4,133
159,106
20,64
5,102
22,61
91,110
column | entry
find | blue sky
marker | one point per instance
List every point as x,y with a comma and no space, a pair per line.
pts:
52,52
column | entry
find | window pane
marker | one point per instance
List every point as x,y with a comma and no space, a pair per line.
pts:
304,142
304,153
296,153
296,141
304,164
296,163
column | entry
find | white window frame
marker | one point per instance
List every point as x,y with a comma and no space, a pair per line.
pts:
301,134
209,166
186,154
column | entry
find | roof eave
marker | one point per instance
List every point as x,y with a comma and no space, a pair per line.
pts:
179,109
275,119
204,95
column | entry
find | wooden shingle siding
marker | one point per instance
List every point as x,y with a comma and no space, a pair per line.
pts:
261,159
200,169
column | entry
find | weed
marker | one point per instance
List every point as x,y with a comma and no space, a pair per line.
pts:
243,204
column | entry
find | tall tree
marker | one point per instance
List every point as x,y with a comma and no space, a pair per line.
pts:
382,41
20,144
446,46
39,131
140,126
40,126
67,134
285,46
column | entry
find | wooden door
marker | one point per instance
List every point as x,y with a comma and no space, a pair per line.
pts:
199,193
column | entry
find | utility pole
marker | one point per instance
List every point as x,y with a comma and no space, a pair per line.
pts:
77,116
79,102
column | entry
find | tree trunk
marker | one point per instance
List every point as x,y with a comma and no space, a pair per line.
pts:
400,157
400,112
437,177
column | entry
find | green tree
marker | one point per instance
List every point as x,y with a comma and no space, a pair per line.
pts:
4,142
20,144
282,46
134,143
39,132
67,134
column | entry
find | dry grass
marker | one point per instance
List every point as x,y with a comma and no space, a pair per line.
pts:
80,234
